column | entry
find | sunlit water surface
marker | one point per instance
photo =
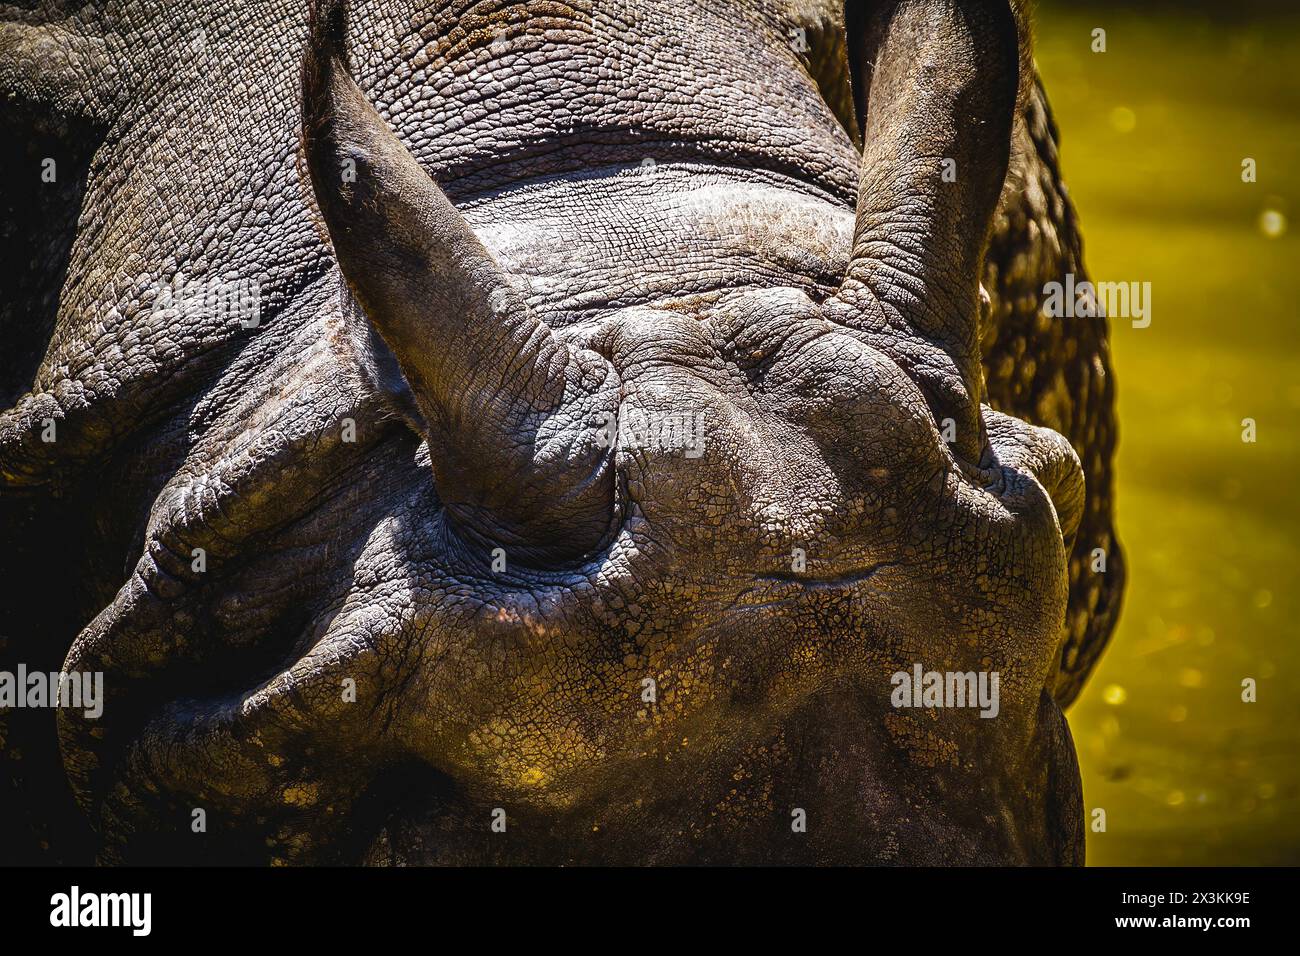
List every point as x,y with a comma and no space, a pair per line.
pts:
1154,132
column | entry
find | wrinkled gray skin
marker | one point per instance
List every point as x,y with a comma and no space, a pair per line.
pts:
557,213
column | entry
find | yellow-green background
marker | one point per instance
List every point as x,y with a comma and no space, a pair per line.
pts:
1153,134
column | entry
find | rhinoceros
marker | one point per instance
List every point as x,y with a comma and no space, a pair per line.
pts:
601,431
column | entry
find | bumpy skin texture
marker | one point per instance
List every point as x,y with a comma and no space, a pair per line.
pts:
1055,374
726,277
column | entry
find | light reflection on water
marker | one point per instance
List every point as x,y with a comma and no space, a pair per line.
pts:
1154,132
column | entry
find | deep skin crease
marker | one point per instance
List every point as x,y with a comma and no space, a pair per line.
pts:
557,212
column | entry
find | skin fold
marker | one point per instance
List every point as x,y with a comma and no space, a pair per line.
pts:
434,595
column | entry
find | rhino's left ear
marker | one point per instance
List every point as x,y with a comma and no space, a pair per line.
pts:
506,404
936,84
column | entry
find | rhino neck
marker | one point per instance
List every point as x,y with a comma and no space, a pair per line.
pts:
521,90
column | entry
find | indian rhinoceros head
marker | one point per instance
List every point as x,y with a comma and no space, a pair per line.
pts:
537,432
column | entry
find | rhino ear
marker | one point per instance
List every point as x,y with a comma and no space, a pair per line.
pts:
935,85
485,371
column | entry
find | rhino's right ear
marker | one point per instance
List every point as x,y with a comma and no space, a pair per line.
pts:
936,85
489,377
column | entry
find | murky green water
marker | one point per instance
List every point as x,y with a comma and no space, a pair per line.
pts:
1154,132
